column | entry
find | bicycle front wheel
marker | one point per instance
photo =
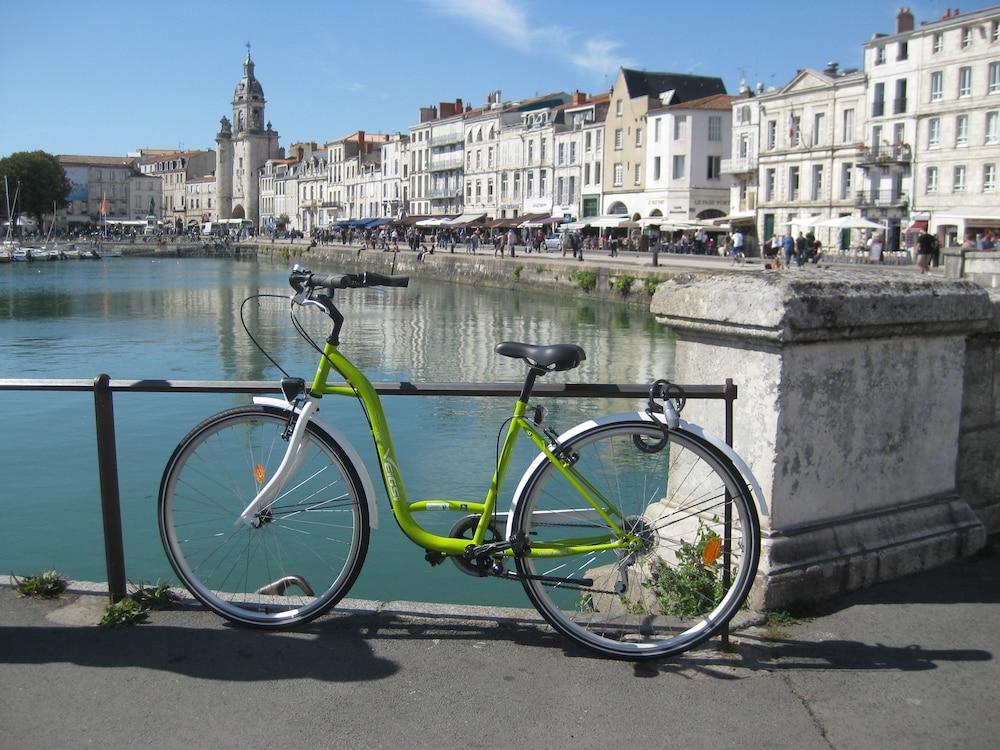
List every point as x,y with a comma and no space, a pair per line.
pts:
302,553
685,527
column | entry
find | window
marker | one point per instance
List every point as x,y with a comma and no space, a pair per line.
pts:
899,100
586,141
714,167
958,182
898,133
995,31
878,101
597,172
678,167
656,130
617,174
560,153
529,185
965,81
572,189
618,107
992,128
541,150
656,167
848,126
880,55
793,183
618,139
559,190
817,182
931,180
599,139
938,43
638,137
793,130
819,123
572,152
542,174
962,130
934,133
994,87
586,174
966,37
489,157
989,178
531,151
769,179
503,186
715,128
846,180
679,126
937,86
772,134
638,174
904,51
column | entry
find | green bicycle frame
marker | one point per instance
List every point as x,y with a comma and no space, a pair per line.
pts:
359,386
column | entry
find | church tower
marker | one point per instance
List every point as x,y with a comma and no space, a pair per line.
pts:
242,147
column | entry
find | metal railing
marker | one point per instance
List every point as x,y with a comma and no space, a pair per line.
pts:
103,388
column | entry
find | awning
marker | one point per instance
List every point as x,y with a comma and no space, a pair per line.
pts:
919,225
982,216
372,223
539,220
412,220
504,223
466,219
341,224
436,221
741,217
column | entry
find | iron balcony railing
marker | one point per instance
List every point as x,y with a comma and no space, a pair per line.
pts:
104,388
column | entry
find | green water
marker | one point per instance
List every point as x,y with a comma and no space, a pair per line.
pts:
180,319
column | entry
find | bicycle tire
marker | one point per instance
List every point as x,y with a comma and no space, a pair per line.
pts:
668,594
310,543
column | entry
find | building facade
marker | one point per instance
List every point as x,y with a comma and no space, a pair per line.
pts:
174,169
112,183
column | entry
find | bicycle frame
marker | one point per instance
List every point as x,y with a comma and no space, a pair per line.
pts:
357,385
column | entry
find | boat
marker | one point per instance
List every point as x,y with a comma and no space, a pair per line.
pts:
5,253
21,255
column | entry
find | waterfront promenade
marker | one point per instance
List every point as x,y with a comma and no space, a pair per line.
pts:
907,664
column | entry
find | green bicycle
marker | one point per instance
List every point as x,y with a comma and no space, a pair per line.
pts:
635,535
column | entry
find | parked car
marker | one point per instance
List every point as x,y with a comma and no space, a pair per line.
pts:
552,241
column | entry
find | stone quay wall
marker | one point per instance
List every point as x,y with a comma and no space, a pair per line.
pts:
867,410
981,266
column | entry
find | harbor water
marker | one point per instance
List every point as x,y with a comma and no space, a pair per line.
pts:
180,319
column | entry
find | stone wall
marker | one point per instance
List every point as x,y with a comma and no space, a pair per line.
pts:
853,402
979,437
981,266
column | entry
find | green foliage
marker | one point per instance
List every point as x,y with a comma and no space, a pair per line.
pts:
46,585
650,283
517,271
282,221
125,612
623,284
691,587
586,280
154,597
43,180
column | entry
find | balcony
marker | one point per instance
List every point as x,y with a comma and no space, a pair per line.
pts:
444,193
886,154
444,162
739,165
444,139
881,199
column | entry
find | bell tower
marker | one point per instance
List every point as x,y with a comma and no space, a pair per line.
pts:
242,148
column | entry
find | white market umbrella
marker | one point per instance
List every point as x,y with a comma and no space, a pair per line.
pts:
849,222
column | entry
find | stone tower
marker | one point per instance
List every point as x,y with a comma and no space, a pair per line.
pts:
241,148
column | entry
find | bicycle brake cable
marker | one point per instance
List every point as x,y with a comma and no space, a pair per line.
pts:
256,343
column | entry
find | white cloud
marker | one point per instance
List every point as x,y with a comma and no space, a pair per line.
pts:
508,22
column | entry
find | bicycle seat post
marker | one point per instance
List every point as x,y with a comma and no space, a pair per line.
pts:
529,382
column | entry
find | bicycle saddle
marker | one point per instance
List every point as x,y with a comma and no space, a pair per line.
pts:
553,358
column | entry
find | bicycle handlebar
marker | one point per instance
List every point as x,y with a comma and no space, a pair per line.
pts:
301,279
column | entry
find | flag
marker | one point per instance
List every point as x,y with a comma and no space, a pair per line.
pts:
791,125
104,205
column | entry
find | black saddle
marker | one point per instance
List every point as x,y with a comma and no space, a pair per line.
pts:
552,358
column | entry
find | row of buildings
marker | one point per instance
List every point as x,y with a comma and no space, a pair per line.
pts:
911,139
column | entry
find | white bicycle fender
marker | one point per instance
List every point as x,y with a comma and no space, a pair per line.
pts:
739,463
341,440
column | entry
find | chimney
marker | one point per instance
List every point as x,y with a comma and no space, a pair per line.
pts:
428,113
579,97
947,13
831,67
904,20
446,109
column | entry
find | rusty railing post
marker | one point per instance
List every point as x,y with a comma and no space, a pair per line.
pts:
107,467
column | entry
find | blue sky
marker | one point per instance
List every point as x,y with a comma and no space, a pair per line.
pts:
109,77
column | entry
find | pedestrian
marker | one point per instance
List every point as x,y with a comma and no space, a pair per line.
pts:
788,249
800,249
875,249
738,245
925,249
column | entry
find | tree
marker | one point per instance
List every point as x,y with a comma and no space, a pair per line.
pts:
43,181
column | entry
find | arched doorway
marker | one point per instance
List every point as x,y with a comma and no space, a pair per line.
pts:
238,212
710,213
617,208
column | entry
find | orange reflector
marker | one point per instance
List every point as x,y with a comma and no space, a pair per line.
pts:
259,473
713,548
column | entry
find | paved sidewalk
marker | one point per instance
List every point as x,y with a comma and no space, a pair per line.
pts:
908,664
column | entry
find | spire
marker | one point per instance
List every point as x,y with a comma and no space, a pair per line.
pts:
248,64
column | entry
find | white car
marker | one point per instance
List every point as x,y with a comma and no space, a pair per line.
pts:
552,241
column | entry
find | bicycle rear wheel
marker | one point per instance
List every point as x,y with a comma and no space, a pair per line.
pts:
693,530
304,551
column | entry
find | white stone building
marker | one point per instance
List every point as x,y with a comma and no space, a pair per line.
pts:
934,127
353,186
175,168
126,192
687,144
200,200
394,185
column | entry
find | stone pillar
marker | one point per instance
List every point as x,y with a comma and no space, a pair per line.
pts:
850,401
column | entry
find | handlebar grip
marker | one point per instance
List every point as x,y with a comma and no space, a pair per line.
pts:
334,280
378,279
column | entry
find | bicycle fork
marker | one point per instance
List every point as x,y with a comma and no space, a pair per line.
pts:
294,454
